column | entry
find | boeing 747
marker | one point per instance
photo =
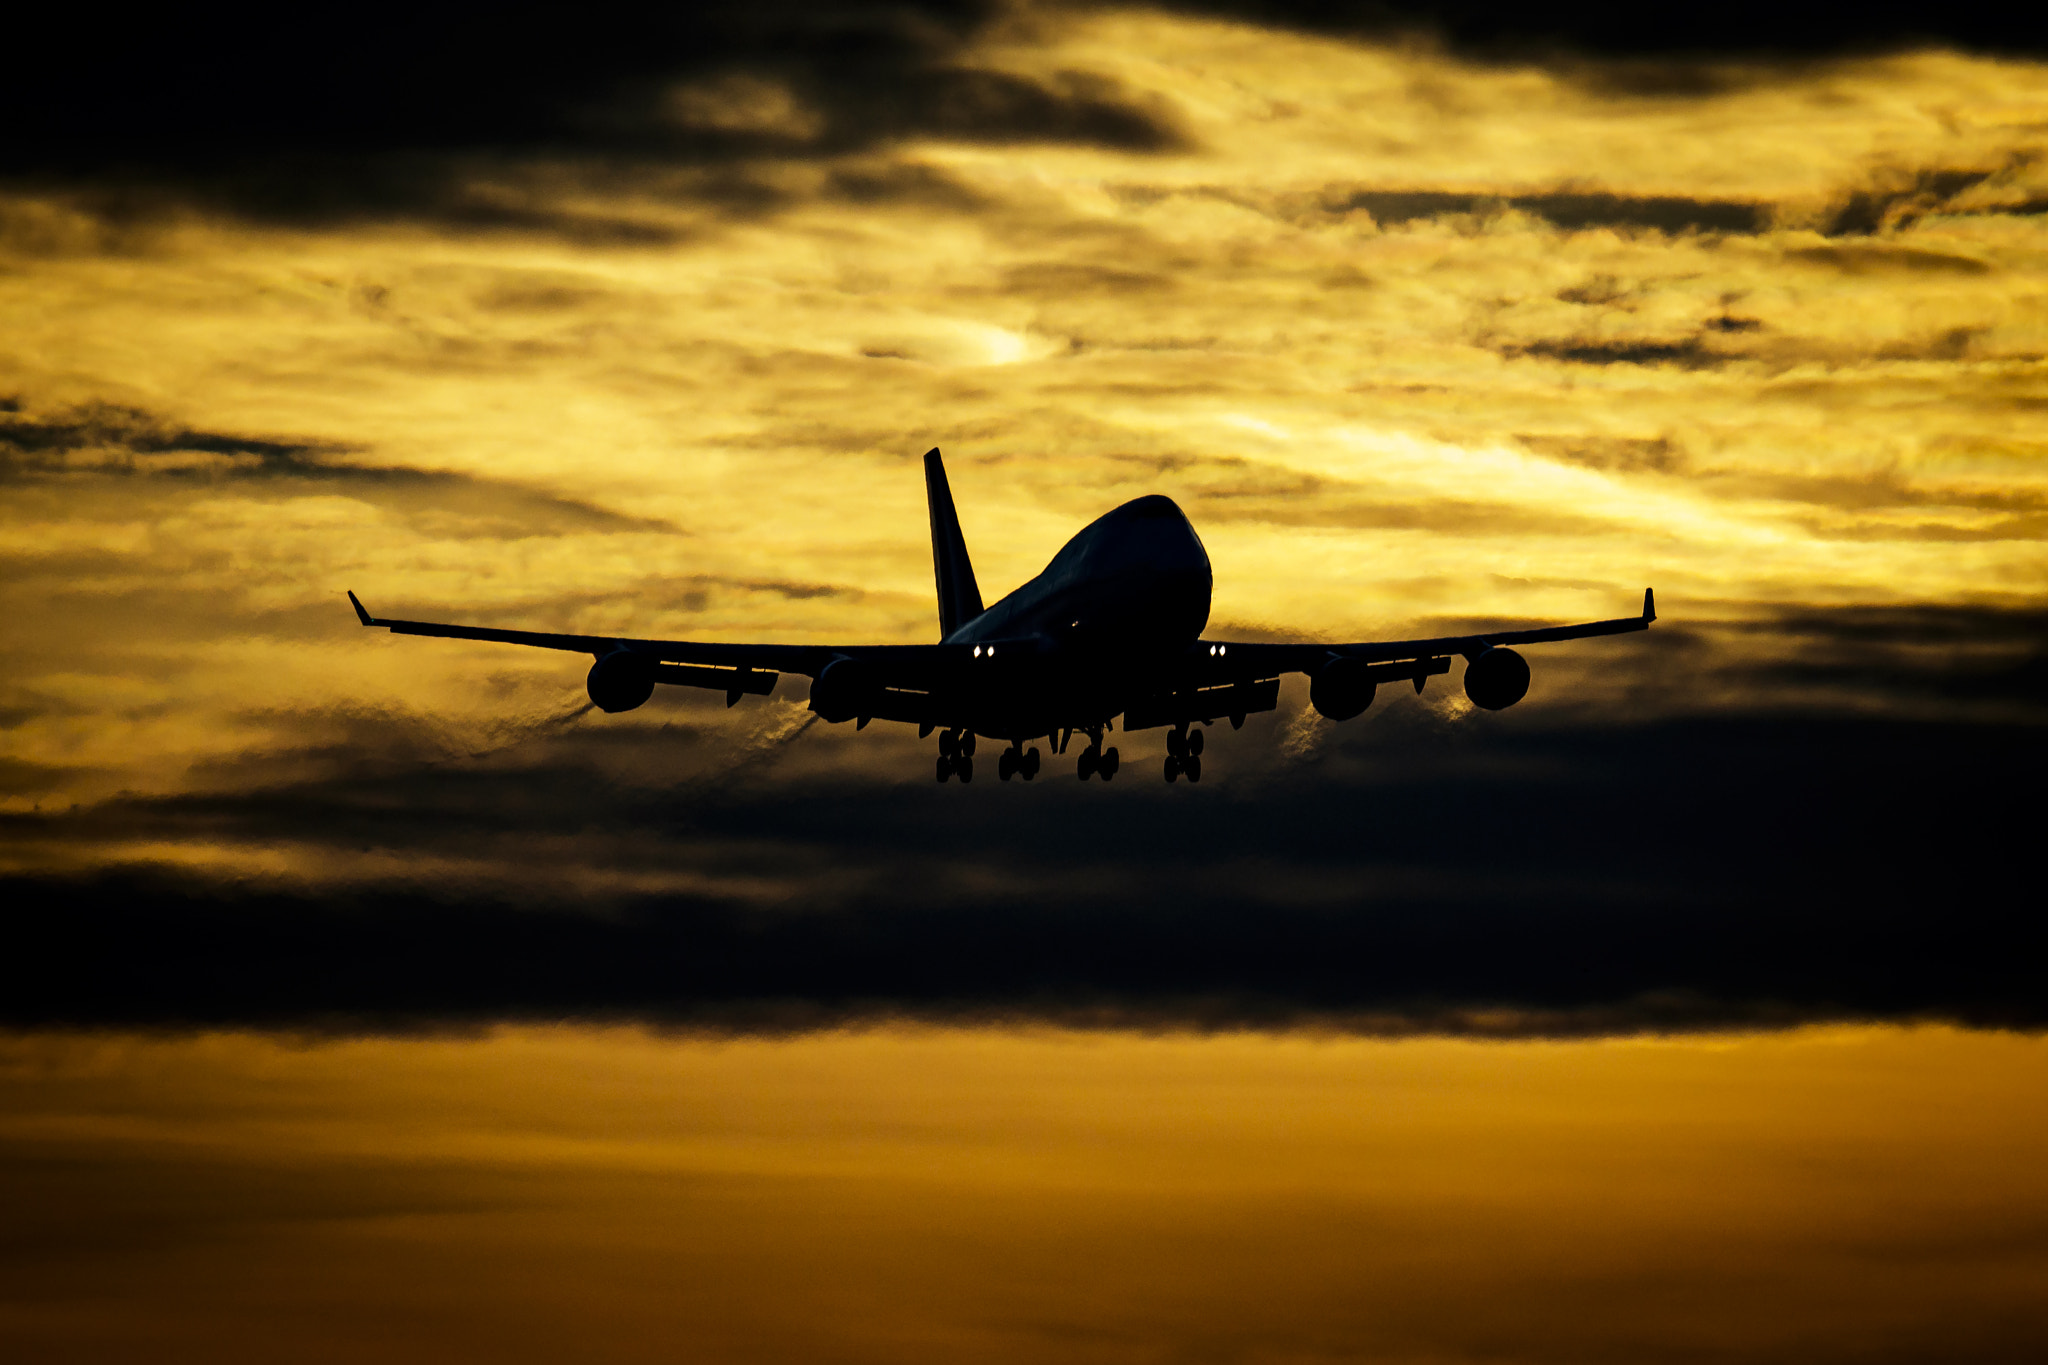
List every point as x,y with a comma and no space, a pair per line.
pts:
1111,630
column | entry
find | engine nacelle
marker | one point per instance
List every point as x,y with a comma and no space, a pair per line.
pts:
620,681
844,690
1342,688
1497,679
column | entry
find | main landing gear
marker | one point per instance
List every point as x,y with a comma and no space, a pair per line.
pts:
1184,754
956,755
1018,759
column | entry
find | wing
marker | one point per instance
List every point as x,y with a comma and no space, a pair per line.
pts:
722,667
1231,669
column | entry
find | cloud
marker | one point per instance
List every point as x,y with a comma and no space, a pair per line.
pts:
1654,37
1838,847
451,122
1574,212
99,441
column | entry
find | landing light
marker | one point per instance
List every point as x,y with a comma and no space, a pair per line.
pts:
977,651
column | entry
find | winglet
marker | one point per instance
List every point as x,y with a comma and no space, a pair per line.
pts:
1649,606
361,615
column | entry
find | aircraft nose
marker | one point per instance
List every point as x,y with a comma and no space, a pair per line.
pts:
1158,535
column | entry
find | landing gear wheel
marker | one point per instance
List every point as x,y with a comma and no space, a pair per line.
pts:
1176,744
945,767
949,744
963,768
1091,757
1029,767
967,743
1172,768
1192,766
1194,745
1109,764
1006,766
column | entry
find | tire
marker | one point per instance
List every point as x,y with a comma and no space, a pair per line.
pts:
945,768
963,768
1193,768
1110,763
1085,769
1194,744
1031,762
1006,766
1172,768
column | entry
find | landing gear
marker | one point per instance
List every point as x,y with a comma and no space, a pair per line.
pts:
1097,761
956,755
1184,754
1017,760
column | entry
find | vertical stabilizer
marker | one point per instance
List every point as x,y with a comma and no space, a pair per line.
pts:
959,598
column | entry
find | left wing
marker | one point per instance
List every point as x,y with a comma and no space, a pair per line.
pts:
1233,659
1233,678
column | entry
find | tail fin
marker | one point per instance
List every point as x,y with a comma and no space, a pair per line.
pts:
959,598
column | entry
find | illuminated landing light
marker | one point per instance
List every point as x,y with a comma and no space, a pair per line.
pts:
977,651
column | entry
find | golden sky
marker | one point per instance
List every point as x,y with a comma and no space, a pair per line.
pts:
1410,338
370,995
1826,1195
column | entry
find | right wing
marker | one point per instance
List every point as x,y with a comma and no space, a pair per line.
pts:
722,667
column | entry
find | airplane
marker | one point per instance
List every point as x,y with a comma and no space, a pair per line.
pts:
1112,629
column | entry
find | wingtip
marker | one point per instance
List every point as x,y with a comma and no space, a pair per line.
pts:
361,615
1649,604
931,456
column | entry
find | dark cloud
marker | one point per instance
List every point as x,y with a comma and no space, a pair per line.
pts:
1750,28
1572,212
1845,857
1688,353
101,441
394,111
1871,258
1660,455
1906,654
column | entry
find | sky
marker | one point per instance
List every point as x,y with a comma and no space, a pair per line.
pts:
336,955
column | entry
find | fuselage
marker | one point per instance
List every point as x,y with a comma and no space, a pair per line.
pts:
1105,621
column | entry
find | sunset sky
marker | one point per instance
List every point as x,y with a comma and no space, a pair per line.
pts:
371,994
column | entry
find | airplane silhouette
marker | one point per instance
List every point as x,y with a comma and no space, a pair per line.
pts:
1112,628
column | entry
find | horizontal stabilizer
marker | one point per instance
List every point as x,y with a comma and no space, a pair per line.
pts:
1649,604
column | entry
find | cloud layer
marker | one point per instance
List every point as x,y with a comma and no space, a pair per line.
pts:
1423,337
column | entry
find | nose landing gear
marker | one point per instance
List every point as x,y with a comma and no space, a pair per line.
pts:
956,755
1098,761
1017,759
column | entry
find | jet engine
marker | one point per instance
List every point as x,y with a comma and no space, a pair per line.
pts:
1342,688
621,680
1497,679
844,690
